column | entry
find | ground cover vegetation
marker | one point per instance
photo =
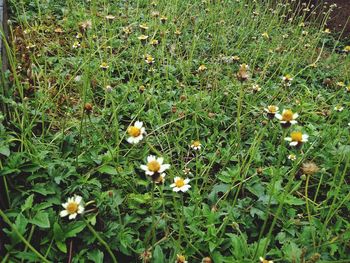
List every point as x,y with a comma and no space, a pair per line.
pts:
174,131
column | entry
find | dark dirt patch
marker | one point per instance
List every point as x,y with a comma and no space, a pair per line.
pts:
341,17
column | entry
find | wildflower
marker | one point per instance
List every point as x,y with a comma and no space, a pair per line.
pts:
287,118
110,17
109,88
104,66
292,157
297,138
262,260
76,44
327,31
149,59
207,260
180,184
163,19
146,256
309,168
177,32
347,88
340,84
143,27
265,35
154,42
72,207
339,108
287,79
88,107
136,132
155,13
202,68
236,58
180,259
271,111
196,145
142,38
242,74
127,30
78,35
256,88
85,25
154,165
346,49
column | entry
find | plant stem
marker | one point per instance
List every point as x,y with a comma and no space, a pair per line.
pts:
104,243
14,228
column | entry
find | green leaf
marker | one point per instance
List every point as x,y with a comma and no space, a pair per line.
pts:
41,219
107,169
292,200
73,229
5,150
61,246
158,255
95,256
28,203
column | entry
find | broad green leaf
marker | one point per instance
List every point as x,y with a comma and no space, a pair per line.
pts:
41,219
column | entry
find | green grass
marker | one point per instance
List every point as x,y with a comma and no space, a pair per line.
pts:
247,198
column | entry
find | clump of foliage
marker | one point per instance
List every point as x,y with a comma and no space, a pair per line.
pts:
174,131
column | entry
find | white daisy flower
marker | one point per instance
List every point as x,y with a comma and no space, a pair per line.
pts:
72,207
339,108
292,157
271,111
180,259
287,117
196,145
262,260
136,132
297,138
180,184
154,165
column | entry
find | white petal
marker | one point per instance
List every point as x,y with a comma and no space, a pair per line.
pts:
143,130
78,199
293,122
65,205
186,181
283,122
176,189
176,179
151,158
72,216
80,209
172,185
278,116
293,144
130,140
305,138
160,160
149,172
295,115
63,213
144,167
164,167
138,124
289,139
185,188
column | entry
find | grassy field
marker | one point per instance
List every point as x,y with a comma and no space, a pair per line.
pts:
174,131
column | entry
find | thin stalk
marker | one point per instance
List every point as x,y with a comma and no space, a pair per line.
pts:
14,228
104,243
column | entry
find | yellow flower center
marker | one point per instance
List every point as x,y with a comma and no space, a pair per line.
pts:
72,208
272,109
296,136
196,143
180,259
153,166
134,131
287,115
180,183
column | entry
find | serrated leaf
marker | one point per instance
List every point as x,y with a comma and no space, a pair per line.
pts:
28,203
107,169
158,255
41,219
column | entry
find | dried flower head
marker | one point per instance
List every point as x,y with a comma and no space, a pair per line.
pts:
243,74
309,168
